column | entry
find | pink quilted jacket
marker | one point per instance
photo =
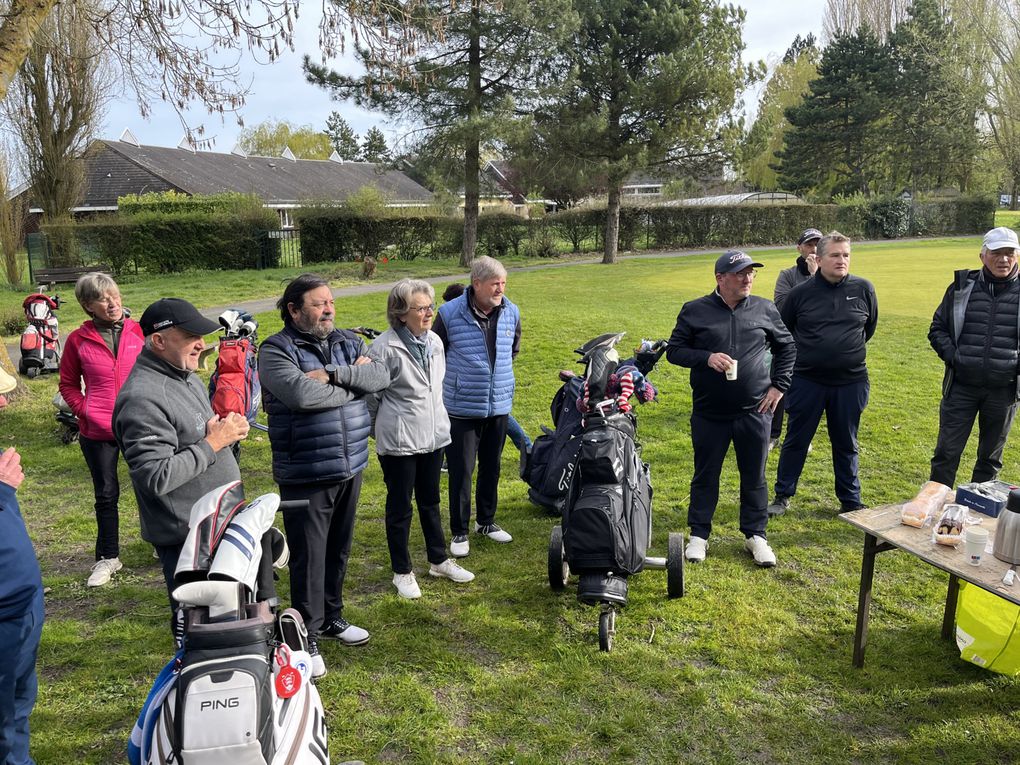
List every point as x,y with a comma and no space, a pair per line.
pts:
87,359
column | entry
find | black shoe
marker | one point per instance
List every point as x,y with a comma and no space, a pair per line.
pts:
849,507
779,506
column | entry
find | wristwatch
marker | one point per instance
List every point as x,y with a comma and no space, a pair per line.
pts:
333,370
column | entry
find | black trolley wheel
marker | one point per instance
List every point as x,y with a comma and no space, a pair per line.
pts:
607,629
559,570
675,565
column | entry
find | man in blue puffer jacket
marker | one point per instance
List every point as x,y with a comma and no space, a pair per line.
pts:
481,332
314,379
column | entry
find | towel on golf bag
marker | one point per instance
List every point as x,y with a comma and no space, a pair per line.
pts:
141,735
607,515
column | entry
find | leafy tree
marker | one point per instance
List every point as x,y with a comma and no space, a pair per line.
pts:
649,84
342,137
998,23
934,102
786,87
837,135
374,148
272,137
463,86
55,104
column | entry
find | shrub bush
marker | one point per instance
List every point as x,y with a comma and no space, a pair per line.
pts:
338,234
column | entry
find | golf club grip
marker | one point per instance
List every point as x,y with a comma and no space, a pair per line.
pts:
293,504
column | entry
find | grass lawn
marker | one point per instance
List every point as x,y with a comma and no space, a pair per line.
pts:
751,666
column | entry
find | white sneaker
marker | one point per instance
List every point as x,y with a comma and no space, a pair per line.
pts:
451,570
696,550
407,586
493,532
318,665
103,570
761,551
459,546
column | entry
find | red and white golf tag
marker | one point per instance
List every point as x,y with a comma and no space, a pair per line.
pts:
288,678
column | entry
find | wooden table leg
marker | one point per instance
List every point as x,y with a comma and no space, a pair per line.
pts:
949,617
871,549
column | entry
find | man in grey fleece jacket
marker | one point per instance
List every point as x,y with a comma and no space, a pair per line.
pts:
176,448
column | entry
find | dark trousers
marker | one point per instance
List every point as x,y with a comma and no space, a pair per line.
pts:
994,409
417,473
19,636
749,434
101,457
842,405
320,542
474,438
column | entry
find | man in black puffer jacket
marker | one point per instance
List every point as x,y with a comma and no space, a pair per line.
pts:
974,332
713,334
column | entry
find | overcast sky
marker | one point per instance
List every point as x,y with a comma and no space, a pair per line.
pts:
279,90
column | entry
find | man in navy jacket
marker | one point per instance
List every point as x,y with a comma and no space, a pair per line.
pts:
713,334
21,617
832,317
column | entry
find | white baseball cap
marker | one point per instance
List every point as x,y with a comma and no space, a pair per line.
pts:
1001,237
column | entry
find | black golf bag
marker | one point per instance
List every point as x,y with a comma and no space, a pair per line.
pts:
607,511
554,453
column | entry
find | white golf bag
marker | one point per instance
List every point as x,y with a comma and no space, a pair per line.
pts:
240,690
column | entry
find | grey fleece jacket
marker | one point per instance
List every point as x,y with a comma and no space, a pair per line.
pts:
159,421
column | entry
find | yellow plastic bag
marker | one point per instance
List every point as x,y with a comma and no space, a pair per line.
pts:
986,630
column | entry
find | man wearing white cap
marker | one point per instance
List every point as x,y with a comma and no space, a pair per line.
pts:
975,333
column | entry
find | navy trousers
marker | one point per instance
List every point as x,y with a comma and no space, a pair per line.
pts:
842,405
994,409
18,684
481,439
416,474
101,458
749,434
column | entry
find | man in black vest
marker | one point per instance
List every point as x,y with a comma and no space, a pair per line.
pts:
974,332
314,378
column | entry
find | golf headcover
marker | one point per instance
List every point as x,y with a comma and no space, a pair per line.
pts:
210,516
240,550
221,598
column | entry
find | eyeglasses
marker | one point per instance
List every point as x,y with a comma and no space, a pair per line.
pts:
422,310
748,274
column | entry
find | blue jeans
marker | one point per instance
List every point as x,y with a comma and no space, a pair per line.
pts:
18,685
516,434
842,405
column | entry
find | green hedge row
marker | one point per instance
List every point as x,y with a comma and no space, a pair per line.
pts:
168,243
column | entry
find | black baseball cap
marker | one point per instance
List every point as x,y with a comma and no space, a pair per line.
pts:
175,312
809,234
732,261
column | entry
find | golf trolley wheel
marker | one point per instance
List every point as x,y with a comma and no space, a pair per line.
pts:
675,565
31,372
559,570
68,436
607,629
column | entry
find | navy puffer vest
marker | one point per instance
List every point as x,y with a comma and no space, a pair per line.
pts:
324,446
987,342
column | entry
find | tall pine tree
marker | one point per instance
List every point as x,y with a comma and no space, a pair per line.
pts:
342,138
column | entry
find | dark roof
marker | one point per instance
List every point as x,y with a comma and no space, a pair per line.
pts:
116,168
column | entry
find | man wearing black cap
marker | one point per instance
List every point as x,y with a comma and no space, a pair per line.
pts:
723,338
832,317
789,278
176,448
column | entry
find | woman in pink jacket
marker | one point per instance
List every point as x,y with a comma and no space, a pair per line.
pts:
97,359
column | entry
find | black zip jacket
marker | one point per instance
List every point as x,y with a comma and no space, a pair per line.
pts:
706,326
832,324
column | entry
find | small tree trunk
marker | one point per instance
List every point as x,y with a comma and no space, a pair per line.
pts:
612,225
471,146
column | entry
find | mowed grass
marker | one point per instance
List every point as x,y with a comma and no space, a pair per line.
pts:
751,666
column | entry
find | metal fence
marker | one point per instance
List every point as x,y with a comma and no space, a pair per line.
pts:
281,249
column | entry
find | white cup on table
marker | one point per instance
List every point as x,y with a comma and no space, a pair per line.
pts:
975,539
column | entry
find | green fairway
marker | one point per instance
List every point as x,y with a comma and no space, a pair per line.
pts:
751,665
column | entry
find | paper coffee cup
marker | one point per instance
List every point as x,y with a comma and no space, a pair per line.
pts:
731,371
975,540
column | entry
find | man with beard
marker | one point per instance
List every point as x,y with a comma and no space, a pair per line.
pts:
314,378
974,332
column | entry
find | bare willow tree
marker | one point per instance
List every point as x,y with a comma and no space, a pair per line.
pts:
847,16
55,106
12,225
186,51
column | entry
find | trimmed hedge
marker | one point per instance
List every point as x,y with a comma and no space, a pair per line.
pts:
171,243
336,234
